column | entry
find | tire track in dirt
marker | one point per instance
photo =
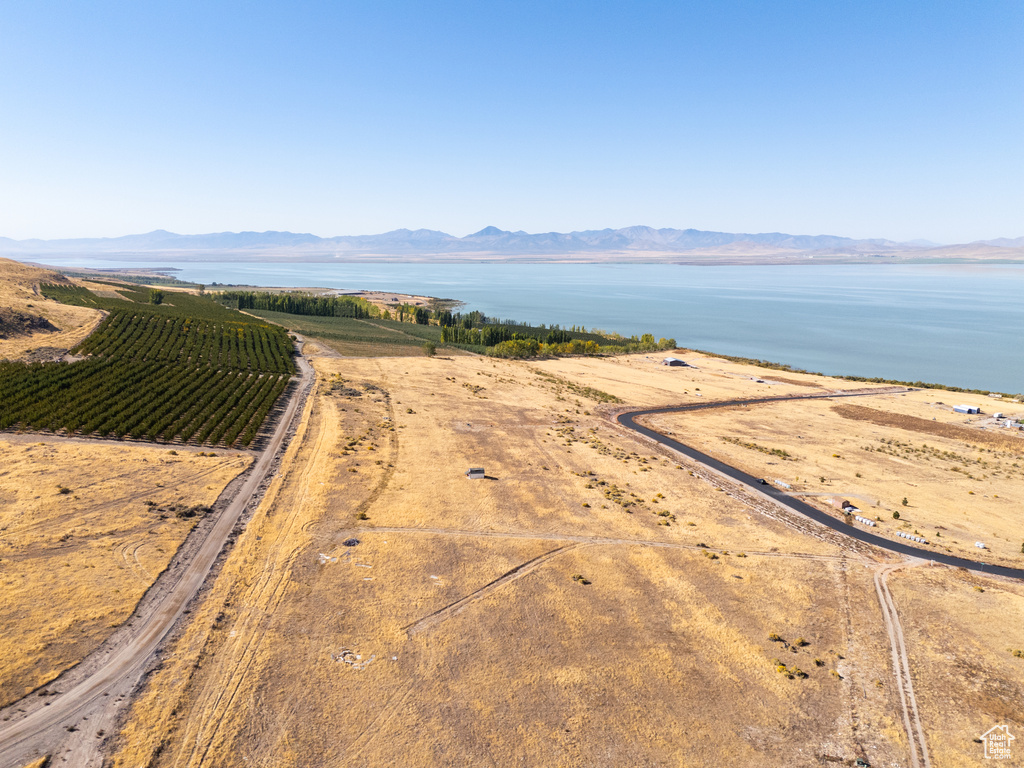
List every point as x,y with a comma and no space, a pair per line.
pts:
393,446
132,559
379,723
901,668
443,614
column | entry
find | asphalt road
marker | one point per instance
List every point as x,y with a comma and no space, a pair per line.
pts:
37,732
628,420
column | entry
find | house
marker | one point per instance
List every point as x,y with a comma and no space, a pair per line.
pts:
673,361
475,473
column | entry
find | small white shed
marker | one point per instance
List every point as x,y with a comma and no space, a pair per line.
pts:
966,409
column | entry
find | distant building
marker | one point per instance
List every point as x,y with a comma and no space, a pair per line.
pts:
966,409
475,473
673,361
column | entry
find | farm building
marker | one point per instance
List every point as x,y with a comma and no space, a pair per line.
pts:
966,409
673,361
475,473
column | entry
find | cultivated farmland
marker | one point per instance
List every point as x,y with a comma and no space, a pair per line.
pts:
188,370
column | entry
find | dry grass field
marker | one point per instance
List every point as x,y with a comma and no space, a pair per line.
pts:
85,528
593,602
19,292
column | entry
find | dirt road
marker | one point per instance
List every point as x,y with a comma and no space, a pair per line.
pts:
919,757
37,726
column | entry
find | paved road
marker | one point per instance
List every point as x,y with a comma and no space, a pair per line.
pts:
37,732
629,420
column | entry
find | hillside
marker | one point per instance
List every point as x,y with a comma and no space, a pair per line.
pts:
32,326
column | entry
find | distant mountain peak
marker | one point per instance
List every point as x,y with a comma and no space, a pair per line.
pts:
489,232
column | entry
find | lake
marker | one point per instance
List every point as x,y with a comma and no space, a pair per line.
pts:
960,325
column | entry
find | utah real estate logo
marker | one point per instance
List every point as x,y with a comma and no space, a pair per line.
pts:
997,742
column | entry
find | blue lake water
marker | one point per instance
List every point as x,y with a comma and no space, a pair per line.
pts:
956,324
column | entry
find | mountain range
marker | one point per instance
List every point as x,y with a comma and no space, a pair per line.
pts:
491,243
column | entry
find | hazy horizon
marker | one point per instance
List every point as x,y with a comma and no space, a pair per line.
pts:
479,230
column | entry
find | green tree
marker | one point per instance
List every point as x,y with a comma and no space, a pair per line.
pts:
895,515
429,348
156,296
905,503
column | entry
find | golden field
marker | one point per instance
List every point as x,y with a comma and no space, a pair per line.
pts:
454,631
19,291
85,529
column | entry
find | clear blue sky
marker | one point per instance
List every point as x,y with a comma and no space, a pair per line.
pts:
888,119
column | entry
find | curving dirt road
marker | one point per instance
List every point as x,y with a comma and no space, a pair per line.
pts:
35,728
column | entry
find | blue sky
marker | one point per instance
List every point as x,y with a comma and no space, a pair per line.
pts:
870,119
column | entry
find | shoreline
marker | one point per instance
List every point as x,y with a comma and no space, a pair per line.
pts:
384,299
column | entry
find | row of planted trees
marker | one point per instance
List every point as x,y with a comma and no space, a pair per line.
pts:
531,347
502,338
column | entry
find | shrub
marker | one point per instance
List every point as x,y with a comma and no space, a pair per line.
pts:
895,515
429,348
63,490
579,578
